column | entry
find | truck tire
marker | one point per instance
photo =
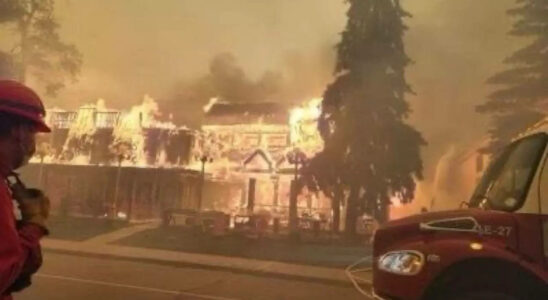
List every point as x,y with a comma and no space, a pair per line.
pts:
484,295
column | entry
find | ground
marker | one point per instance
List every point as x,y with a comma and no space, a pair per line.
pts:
79,229
118,261
333,254
65,277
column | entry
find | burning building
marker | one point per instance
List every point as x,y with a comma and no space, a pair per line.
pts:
104,162
129,192
99,136
250,143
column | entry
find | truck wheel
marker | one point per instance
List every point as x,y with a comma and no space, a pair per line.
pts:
484,295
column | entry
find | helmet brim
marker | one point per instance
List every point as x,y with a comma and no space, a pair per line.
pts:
42,127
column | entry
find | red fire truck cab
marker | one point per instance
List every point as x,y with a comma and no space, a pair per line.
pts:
496,248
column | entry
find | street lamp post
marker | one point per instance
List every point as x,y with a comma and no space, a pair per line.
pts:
120,152
113,212
203,159
276,187
41,171
295,157
42,151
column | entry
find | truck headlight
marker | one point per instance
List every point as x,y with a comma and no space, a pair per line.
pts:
404,262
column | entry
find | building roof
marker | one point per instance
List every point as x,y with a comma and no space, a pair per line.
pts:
247,112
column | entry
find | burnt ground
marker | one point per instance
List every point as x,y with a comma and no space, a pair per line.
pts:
80,228
335,254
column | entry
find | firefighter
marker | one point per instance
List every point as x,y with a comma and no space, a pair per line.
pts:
21,118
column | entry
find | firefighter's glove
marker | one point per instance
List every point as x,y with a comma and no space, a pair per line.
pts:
35,207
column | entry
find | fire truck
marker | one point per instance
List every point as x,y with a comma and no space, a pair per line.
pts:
494,247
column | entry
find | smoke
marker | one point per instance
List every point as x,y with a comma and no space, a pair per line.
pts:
298,79
228,81
134,47
456,46
185,52
6,66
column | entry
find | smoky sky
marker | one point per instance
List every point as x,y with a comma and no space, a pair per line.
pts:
133,47
456,46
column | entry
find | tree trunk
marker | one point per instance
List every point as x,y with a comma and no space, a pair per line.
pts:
336,207
382,213
352,212
293,210
132,198
116,191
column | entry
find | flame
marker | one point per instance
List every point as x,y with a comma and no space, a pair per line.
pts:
50,112
81,131
80,160
129,130
303,122
230,145
227,145
210,104
229,148
129,141
144,115
84,125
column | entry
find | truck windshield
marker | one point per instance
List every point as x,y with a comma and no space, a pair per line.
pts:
505,184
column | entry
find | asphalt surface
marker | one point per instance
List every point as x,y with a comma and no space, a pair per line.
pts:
75,277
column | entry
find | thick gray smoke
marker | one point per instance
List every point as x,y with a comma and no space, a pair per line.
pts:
228,81
225,80
297,79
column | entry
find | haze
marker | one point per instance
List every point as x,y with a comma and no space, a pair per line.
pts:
133,47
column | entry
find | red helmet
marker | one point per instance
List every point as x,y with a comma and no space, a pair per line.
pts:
20,100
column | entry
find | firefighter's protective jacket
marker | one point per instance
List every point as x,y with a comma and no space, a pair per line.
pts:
19,245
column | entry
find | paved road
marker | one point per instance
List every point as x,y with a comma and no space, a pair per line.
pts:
75,277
